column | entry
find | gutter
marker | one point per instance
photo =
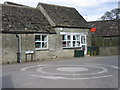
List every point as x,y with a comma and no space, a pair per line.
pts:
84,27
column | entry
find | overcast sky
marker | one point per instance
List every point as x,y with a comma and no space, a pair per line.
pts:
91,10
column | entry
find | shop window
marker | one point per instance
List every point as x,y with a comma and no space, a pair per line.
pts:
41,41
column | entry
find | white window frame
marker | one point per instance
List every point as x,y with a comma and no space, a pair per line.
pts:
76,33
67,41
71,41
76,40
41,42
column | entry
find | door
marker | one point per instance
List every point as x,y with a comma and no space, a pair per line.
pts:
84,43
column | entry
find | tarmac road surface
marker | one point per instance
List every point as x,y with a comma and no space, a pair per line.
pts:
88,72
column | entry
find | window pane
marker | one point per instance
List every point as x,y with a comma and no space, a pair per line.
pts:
64,43
65,37
68,37
37,38
44,44
77,37
38,45
83,39
68,43
44,37
83,47
73,43
77,43
74,37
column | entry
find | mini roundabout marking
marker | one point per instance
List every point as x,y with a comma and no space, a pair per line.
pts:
71,72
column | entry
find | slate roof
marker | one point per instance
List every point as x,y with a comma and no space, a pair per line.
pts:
106,27
22,19
64,16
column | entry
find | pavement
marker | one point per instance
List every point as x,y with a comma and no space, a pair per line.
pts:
87,72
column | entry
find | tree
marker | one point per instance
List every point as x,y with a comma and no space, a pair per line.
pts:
111,15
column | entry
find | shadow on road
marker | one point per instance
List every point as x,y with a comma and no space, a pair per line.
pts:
7,82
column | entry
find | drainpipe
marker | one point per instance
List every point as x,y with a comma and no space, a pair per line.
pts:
19,48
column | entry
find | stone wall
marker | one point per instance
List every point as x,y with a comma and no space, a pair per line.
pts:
110,41
55,50
107,45
9,48
105,51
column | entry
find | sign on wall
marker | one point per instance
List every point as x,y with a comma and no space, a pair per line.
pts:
29,52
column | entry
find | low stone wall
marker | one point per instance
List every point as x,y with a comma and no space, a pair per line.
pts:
105,51
41,55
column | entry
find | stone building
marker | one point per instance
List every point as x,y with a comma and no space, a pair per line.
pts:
107,36
45,32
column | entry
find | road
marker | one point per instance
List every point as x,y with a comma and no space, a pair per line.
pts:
88,72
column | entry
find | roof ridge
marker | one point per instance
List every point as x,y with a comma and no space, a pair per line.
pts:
55,5
12,3
19,6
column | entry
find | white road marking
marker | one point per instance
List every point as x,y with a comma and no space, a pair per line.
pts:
49,76
115,67
72,69
103,71
42,65
25,68
54,77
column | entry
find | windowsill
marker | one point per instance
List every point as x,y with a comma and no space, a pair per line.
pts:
72,48
44,49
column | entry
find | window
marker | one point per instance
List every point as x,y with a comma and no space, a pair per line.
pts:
66,40
76,41
70,41
41,41
83,39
